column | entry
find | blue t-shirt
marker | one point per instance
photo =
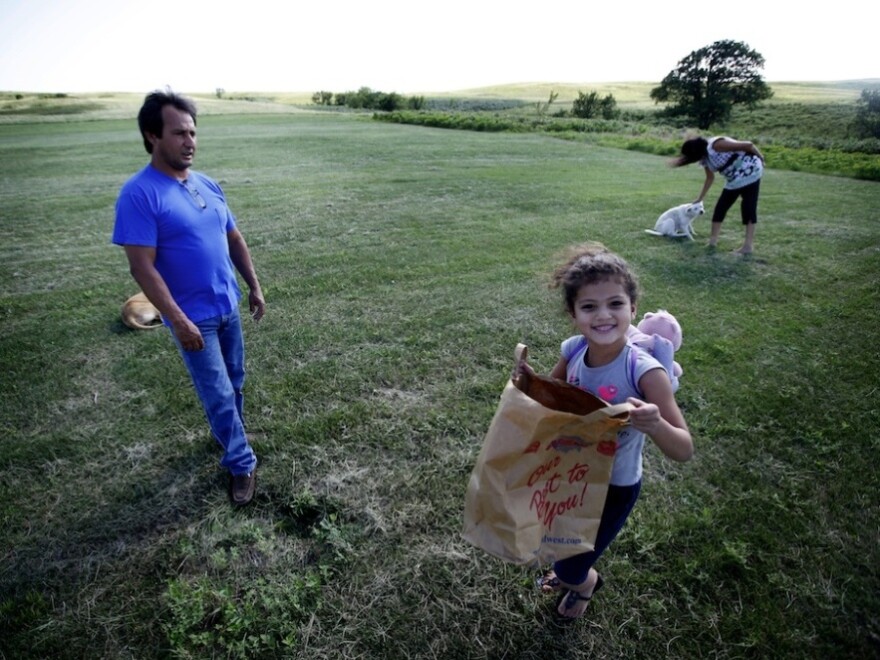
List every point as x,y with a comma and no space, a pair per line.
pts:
187,223
614,382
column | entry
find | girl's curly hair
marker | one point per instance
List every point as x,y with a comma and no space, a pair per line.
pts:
589,263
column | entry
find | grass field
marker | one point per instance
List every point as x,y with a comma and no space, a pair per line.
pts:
401,266
18,107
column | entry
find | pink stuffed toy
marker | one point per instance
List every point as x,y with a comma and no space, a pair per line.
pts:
659,333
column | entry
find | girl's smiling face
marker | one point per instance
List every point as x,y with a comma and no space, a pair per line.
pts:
603,313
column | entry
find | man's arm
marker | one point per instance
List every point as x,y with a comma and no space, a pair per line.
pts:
241,259
141,263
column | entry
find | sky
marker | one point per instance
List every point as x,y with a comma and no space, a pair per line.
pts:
411,46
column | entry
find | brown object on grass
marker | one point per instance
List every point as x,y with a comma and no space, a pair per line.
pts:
138,313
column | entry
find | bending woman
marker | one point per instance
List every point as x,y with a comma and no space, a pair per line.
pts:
742,165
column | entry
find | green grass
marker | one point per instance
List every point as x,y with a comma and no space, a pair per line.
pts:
638,94
808,127
632,96
401,266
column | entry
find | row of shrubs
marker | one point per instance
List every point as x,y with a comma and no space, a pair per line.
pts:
473,104
18,96
497,123
585,106
368,99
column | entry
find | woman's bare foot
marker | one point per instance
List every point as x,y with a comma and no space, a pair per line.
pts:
574,603
744,250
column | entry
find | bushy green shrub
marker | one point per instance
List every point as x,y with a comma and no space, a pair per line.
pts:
368,99
867,121
587,106
388,102
322,98
869,171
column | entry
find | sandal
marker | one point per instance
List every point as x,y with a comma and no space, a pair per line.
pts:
571,599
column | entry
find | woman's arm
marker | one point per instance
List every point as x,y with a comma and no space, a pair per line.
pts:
660,417
726,144
710,179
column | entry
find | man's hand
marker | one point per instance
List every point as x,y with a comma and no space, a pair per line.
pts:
256,304
188,335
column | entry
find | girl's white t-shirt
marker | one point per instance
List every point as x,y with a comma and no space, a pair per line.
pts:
614,382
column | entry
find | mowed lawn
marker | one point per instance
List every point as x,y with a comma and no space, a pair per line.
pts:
401,266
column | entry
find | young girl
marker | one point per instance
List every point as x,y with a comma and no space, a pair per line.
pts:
600,293
742,165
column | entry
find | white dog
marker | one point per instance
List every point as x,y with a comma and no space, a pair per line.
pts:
678,221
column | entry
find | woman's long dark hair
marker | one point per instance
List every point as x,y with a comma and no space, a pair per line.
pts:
692,151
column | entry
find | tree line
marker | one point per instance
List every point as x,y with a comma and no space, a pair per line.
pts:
368,99
704,87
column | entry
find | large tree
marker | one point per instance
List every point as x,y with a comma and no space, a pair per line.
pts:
710,81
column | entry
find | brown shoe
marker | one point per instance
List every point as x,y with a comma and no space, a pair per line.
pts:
243,488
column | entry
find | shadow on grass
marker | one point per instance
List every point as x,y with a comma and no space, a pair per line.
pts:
102,524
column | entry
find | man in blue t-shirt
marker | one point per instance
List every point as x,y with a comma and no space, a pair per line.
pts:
183,248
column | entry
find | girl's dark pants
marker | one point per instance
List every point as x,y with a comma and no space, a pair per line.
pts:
618,504
749,206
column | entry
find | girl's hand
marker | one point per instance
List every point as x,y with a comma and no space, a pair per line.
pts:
660,418
645,417
522,368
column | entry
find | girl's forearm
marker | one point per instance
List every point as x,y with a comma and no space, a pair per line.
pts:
674,442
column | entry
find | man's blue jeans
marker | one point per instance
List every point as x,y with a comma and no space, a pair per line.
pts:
217,373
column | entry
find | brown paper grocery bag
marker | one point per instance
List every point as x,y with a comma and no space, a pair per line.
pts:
538,488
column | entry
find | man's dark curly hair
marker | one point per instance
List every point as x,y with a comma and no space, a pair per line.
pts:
150,115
